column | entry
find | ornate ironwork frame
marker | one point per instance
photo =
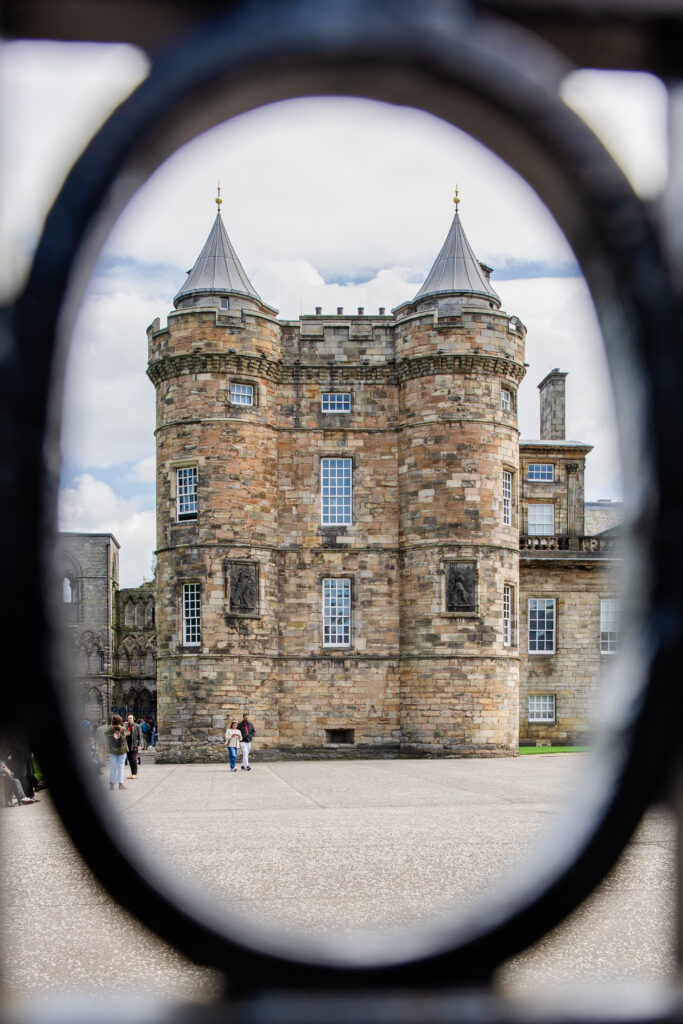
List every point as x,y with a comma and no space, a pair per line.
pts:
500,85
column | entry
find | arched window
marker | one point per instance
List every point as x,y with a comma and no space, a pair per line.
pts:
70,596
125,655
135,661
94,706
146,703
149,663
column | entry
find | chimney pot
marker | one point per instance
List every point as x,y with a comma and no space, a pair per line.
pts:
318,310
382,310
361,310
340,310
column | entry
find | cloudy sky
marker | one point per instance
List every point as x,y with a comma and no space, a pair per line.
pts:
328,202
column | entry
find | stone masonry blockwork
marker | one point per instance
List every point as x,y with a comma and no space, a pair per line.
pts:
427,440
432,496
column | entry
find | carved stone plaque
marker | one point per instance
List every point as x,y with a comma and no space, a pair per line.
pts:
243,588
461,587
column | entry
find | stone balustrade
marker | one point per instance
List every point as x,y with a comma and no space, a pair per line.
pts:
588,545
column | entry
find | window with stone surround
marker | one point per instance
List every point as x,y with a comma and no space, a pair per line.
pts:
337,612
509,616
541,625
336,401
335,491
610,614
543,471
541,707
507,498
506,402
70,597
192,636
241,394
186,493
541,520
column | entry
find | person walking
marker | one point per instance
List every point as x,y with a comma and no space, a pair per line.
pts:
246,730
232,740
134,741
117,749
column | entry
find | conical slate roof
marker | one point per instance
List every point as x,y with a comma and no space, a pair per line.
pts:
218,269
456,269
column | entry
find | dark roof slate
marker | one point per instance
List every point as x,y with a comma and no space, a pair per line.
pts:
217,269
456,269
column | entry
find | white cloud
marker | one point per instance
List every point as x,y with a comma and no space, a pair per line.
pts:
143,471
335,182
91,506
294,287
329,202
109,401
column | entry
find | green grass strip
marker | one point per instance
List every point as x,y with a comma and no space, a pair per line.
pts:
553,750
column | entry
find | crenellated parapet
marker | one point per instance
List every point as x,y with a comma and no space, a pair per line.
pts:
206,330
471,331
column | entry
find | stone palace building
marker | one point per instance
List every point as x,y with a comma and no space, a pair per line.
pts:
353,543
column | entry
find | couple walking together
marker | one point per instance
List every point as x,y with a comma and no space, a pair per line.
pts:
121,741
241,734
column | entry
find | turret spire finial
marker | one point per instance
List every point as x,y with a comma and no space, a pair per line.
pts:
456,198
218,197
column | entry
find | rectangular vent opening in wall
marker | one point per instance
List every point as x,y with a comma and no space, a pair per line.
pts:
339,735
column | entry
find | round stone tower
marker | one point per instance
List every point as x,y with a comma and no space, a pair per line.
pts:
460,360
214,367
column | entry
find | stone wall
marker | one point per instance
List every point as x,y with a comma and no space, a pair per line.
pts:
460,706
603,515
565,492
136,646
428,439
458,683
90,562
572,674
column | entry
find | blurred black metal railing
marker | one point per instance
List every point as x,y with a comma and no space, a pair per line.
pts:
490,69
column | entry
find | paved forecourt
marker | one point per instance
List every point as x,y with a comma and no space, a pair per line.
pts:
327,847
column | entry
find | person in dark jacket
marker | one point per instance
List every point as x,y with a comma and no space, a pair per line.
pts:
247,733
134,741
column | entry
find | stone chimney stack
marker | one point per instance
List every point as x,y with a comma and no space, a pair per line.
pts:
552,406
